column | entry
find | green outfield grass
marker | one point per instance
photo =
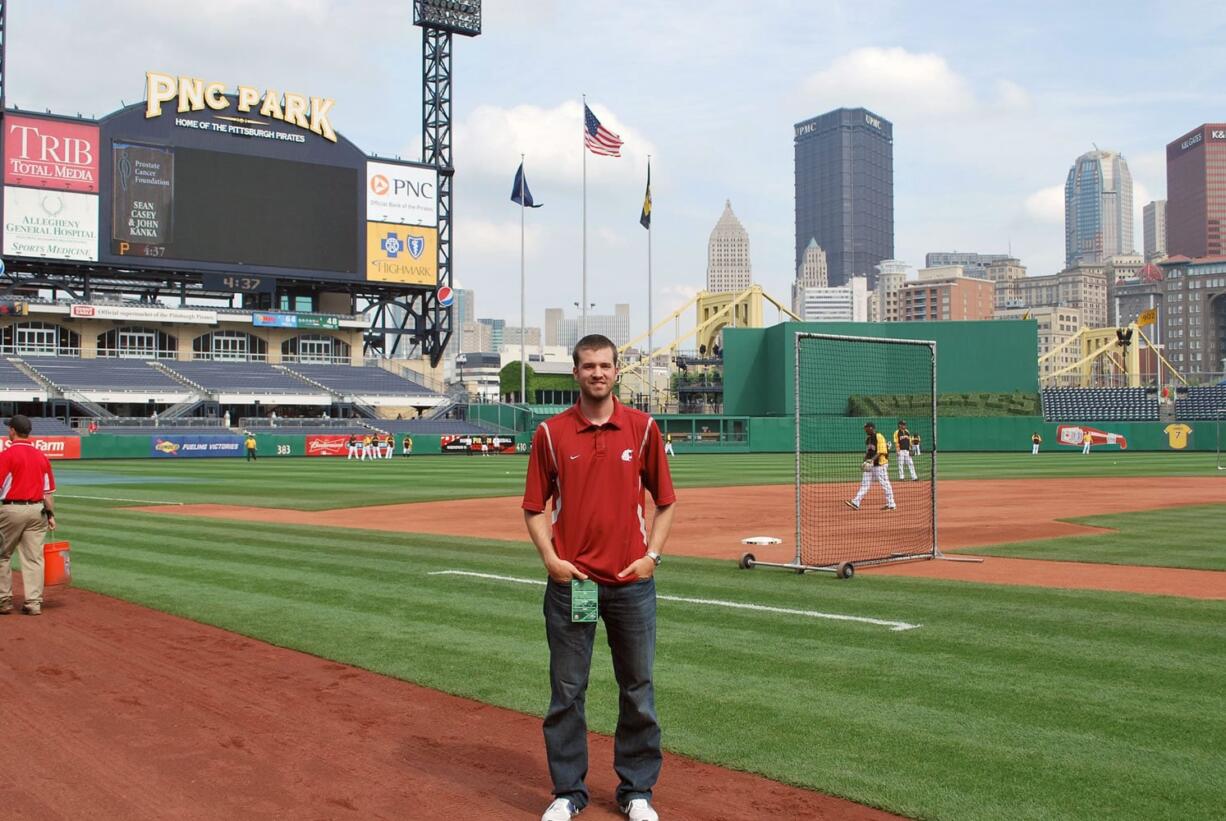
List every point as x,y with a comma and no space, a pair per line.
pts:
315,484
1008,702
1174,537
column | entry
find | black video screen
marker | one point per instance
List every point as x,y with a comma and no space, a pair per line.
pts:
208,206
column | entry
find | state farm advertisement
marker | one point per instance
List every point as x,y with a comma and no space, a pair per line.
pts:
329,444
56,447
42,153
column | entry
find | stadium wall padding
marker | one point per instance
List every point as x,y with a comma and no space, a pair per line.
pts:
980,434
993,356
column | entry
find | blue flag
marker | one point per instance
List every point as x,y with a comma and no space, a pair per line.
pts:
520,194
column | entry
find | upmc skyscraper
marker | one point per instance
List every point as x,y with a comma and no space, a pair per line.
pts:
845,191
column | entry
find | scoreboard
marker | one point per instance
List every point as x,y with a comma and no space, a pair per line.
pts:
241,188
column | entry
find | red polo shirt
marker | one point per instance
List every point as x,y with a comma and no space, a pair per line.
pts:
25,473
596,475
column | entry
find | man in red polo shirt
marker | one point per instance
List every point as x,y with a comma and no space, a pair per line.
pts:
594,461
26,514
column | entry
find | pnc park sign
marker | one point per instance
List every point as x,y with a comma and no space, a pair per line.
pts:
197,94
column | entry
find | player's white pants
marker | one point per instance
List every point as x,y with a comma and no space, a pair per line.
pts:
366,453
668,449
1034,449
882,474
904,459
353,453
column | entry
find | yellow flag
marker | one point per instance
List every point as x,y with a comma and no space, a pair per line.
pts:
1147,317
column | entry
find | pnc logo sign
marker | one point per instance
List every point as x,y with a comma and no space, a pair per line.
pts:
401,194
378,185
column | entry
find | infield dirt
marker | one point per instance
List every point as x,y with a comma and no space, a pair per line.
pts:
971,513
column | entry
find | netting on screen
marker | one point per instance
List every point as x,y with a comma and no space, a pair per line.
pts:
845,513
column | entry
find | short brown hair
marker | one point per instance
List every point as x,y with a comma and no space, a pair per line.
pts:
20,423
594,342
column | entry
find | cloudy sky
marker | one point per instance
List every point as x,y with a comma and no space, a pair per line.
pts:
991,103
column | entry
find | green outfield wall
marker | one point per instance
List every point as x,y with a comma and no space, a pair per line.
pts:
980,433
999,356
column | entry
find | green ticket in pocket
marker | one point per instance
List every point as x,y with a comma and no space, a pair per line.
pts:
584,600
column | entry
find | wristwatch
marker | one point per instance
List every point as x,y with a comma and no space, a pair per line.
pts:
654,556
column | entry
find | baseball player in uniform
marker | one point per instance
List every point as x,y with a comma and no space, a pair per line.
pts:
877,464
668,445
353,447
408,445
902,444
1035,441
1088,440
367,450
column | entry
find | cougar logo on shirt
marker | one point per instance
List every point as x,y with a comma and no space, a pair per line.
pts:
627,455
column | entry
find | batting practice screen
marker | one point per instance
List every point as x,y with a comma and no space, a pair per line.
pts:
856,504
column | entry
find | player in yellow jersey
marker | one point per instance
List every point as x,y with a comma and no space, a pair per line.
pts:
1035,441
876,466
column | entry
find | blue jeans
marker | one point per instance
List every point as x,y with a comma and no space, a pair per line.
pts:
629,614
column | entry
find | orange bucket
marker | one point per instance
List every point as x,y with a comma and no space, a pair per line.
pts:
57,566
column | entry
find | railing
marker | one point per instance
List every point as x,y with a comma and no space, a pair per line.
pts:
296,422
146,422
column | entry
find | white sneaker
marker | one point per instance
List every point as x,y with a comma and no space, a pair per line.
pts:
639,809
560,810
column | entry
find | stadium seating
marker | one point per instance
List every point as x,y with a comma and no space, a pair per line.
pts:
429,426
162,430
12,377
1201,403
240,377
309,430
1099,405
347,380
103,374
51,426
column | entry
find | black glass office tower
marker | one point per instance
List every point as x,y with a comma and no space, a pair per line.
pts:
845,191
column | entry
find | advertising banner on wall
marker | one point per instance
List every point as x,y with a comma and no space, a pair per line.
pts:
52,224
55,154
181,316
55,447
274,319
196,447
402,194
477,444
142,199
330,444
399,253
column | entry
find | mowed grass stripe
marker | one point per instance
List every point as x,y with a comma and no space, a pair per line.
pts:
1187,537
318,484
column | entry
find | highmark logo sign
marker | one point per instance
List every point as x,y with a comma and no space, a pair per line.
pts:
197,94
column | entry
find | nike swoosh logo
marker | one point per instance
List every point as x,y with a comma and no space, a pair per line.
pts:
573,458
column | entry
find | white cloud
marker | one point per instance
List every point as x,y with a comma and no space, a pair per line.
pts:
1046,205
890,79
907,85
491,139
673,297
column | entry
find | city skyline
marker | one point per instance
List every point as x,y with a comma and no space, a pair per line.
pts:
727,87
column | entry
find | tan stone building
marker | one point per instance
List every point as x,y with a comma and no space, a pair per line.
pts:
1057,324
1083,287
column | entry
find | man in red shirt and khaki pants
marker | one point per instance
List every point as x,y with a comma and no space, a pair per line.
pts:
594,461
26,514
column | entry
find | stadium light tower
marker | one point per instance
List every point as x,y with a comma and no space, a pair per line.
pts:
439,20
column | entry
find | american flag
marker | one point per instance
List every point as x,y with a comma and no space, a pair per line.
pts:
597,138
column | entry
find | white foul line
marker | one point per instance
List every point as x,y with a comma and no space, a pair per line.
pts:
895,626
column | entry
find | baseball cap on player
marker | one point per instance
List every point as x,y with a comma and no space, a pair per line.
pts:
869,426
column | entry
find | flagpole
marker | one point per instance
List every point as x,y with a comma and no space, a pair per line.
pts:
523,334
583,290
651,371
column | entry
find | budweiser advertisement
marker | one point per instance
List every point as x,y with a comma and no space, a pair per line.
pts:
330,444
1076,436
56,447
